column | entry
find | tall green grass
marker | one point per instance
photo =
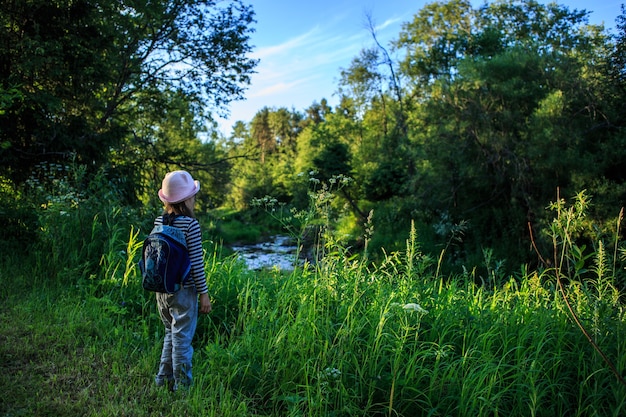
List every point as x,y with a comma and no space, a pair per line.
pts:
342,337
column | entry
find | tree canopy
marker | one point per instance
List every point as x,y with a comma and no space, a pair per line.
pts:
82,78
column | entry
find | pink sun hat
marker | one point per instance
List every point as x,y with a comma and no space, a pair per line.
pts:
178,186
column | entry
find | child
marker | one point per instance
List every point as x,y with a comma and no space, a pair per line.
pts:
179,311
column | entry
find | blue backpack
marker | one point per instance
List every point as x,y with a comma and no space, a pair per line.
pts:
165,263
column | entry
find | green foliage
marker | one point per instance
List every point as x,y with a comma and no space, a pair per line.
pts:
385,182
332,161
21,222
345,337
421,294
94,80
488,111
435,40
314,228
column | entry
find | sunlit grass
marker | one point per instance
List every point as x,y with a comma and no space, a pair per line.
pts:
340,338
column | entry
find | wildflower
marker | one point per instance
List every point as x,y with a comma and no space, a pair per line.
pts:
332,373
414,307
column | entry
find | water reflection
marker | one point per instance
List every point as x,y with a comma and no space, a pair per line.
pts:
278,251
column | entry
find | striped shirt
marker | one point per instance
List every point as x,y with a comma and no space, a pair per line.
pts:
193,236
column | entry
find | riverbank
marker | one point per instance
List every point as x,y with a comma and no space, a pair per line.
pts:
340,340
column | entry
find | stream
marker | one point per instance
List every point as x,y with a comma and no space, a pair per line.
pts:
278,252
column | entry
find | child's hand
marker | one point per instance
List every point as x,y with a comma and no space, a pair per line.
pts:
205,304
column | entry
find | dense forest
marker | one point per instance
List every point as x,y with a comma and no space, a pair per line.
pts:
461,212
486,117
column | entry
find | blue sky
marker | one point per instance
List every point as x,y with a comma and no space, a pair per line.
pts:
302,46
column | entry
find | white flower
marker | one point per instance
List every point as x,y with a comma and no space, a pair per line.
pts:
414,307
332,373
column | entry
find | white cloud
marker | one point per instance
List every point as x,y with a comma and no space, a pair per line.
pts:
275,89
285,47
389,22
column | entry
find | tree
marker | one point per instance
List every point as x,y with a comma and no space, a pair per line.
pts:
84,69
262,134
505,117
435,41
362,81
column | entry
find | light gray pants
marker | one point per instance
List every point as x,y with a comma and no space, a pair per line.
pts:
179,313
